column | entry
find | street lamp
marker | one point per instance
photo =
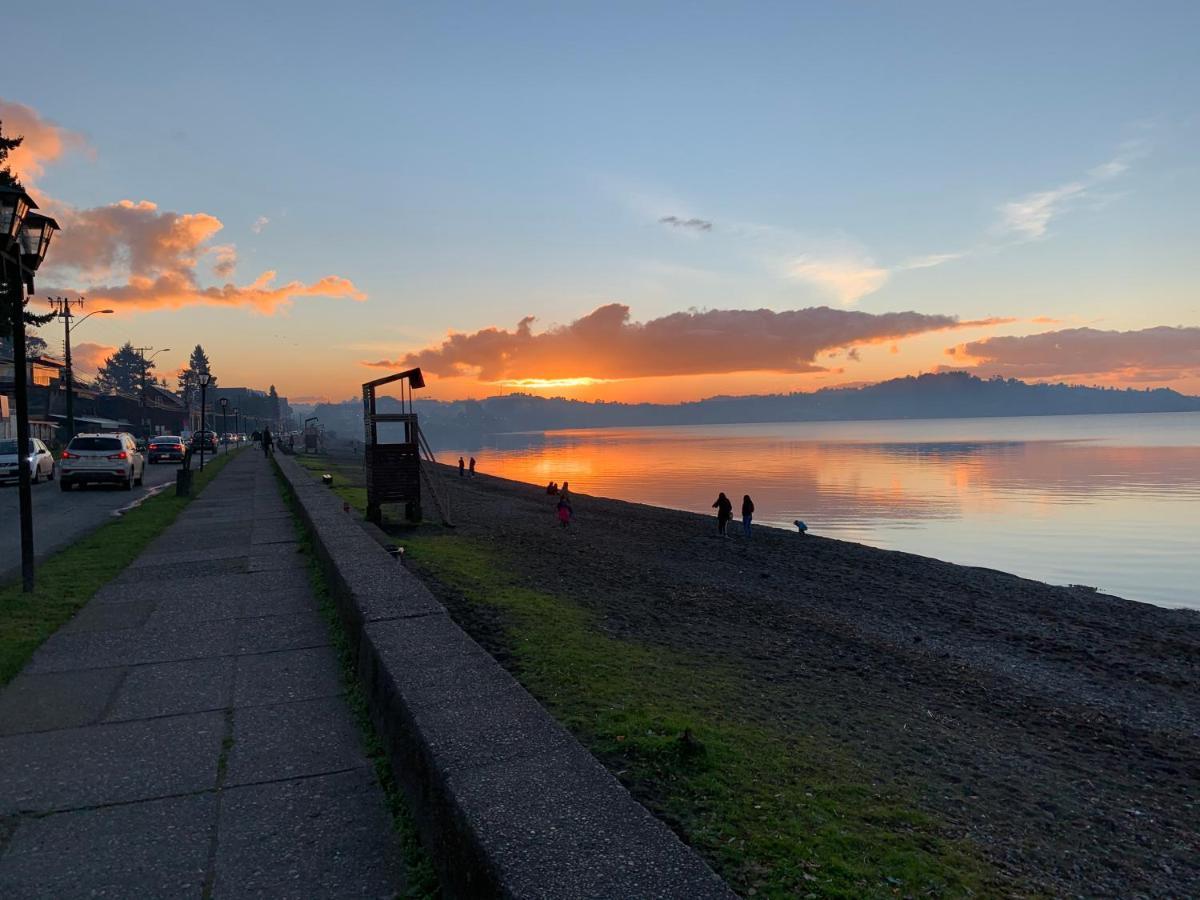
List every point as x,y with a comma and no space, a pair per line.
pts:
237,428
24,239
205,377
224,428
62,308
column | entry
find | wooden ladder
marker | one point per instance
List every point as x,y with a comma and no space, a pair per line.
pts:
442,504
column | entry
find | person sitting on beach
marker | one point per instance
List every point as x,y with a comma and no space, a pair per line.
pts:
552,489
747,513
724,512
564,511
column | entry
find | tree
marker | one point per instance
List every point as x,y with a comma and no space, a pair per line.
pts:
273,406
189,375
9,314
122,372
34,345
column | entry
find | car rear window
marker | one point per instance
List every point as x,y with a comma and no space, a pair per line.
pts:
165,440
95,443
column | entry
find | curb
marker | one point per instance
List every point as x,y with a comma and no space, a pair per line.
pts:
507,801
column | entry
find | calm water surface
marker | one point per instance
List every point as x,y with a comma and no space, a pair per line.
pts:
1107,501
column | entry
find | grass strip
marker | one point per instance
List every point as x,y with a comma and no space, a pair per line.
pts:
68,579
421,881
776,814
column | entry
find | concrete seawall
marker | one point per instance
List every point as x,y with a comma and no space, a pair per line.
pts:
507,801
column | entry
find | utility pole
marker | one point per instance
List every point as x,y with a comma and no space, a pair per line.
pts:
62,309
142,352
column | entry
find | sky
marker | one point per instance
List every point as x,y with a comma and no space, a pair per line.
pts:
620,201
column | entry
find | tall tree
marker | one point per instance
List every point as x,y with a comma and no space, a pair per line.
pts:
122,372
34,345
8,315
189,376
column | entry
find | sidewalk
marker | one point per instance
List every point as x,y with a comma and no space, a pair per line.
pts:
185,734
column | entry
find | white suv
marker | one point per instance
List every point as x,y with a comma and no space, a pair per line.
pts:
102,459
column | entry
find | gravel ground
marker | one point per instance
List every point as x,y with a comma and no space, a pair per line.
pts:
1056,727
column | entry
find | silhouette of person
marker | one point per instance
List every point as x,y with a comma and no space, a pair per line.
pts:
564,511
462,467
747,513
724,512
472,467
565,490
268,443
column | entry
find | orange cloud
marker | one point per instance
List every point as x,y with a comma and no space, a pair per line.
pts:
88,357
42,143
1153,354
134,255
605,344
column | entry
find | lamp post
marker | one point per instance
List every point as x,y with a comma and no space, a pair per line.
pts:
145,360
224,401
237,428
62,308
204,379
24,238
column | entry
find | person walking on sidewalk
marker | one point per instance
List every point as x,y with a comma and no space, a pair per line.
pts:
747,514
268,442
724,512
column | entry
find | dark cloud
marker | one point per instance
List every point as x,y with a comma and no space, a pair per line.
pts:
1152,354
676,222
606,344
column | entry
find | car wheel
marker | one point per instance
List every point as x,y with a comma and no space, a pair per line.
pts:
128,485
50,477
138,480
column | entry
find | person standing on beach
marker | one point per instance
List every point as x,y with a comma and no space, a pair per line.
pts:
747,514
462,468
564,511
472,467
724,512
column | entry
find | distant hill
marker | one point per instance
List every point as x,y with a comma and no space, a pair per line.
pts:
465,423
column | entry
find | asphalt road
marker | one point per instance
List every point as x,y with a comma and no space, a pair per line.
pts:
60,518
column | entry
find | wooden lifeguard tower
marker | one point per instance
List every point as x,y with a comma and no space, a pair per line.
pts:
396,469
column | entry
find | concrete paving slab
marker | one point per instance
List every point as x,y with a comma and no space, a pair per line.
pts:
292,740
157,848
117,616
267,634
106,649
287,676
112,763
174,688
310,838
56,700
175,556
164,572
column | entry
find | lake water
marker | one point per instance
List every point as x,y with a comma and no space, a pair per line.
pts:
1108,501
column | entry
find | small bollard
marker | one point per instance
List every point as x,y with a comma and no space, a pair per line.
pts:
327,480
183,483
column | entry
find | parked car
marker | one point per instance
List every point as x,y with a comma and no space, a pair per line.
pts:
101,459
205,439
168,447
39,459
